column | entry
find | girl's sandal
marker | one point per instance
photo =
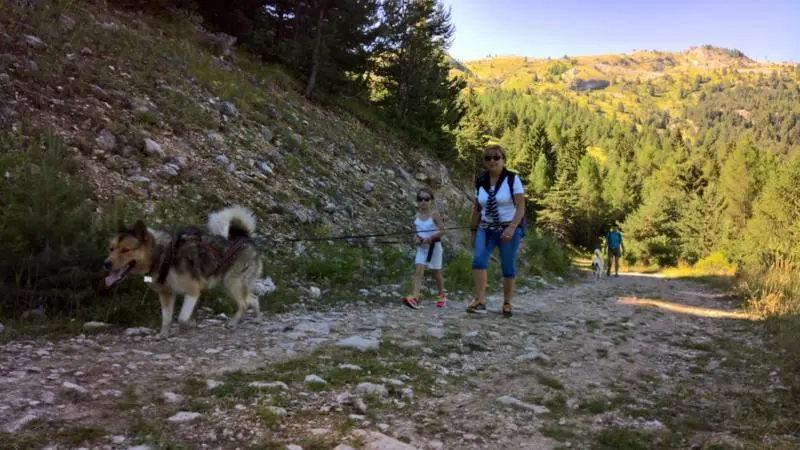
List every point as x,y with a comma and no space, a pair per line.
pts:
411,302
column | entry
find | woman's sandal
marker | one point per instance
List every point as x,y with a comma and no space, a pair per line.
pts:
476,307
507,309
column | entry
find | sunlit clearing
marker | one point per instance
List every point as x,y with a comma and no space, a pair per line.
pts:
685,309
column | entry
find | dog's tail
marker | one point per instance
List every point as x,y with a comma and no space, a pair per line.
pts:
232,223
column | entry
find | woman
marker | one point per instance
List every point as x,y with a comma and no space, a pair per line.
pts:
498,210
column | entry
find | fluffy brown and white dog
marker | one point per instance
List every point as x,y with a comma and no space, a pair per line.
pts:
191,261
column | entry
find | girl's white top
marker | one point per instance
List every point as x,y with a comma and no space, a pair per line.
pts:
425,228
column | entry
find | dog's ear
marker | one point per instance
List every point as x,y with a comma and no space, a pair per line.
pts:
140,231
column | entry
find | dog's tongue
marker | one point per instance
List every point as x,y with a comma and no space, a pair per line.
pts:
113,278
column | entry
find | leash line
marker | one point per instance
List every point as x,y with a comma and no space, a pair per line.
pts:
358,236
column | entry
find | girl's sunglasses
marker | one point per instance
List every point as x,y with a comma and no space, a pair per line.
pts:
495,157
423,199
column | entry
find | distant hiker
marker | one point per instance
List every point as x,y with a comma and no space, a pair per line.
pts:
430,230
614,249
497,221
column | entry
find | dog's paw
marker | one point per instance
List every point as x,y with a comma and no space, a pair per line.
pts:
191,323
162,336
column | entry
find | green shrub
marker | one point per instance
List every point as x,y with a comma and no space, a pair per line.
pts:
715,263
53,243
458,271
541,254
337,264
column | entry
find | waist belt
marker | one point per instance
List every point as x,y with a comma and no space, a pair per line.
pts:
431,247
494,225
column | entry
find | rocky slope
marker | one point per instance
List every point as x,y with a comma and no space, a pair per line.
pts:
170,116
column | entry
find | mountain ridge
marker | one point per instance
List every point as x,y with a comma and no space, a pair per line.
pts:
639,63
715,48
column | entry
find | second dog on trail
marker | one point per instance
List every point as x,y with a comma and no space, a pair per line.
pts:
597,264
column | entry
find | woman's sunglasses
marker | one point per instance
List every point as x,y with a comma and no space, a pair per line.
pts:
423,199
495,157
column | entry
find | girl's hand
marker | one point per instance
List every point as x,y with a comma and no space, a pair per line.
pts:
418,240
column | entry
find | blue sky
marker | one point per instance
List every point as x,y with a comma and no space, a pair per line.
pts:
763,30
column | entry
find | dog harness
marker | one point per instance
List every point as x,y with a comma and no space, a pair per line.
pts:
196,236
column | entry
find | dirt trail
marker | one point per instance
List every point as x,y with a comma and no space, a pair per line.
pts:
629,362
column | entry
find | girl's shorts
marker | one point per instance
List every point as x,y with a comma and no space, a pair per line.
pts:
435,262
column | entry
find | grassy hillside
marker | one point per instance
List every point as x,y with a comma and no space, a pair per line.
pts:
628,87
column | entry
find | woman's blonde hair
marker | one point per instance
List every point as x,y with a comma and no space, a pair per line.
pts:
494,149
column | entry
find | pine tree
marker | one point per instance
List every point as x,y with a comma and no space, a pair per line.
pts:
739,183
774,230
571,155
590,206
472,135
652,230
683,169
414,74
519,151
543,173
541,145
321,7
324,41
622,187
240,18
541,179
559,206
700,224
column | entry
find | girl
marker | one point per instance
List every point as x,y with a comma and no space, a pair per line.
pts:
430,230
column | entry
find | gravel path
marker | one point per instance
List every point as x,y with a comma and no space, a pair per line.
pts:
630,362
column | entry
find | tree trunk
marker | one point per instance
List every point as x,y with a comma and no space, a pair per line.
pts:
312,80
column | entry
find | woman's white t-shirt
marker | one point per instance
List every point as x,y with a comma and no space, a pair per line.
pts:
505,201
